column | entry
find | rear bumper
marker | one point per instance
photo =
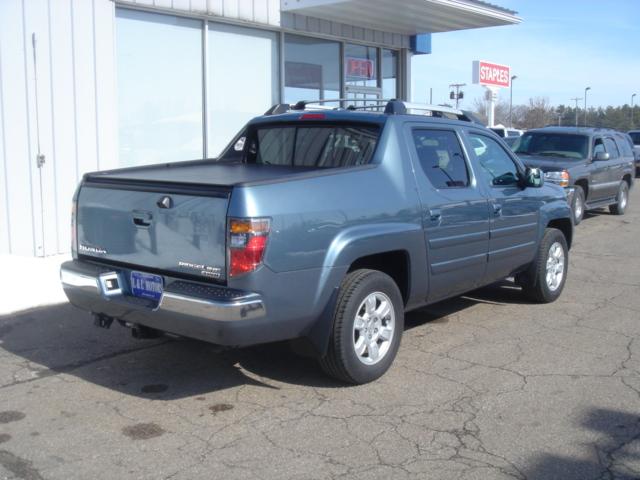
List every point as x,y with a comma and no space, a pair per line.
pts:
219,315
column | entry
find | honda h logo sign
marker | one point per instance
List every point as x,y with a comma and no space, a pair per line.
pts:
360,68
491,74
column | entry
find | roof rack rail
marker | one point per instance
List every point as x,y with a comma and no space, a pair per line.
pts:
400,107
391,107
301,105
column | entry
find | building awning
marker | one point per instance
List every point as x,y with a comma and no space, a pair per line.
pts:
407,17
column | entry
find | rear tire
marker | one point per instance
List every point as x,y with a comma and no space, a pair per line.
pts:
578,205
622,200
367,327
545,278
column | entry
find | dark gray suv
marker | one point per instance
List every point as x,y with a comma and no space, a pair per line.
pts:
598,163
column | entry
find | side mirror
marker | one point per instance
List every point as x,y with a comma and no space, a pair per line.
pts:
601,156
533,177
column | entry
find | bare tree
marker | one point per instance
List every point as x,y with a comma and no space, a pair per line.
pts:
501,111
538,114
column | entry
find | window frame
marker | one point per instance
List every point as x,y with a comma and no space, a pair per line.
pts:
520,169
472,183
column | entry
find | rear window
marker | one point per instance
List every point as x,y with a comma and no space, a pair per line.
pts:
626,145
312,146
635,136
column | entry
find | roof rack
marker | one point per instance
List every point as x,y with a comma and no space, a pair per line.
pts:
552,125
391,107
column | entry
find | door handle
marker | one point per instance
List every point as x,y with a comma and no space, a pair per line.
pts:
435,215
497,209
142,219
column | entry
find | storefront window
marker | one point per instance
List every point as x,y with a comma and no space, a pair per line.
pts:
360,66
159,61
243,79
389,73
312,69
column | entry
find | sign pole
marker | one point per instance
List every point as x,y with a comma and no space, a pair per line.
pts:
491,96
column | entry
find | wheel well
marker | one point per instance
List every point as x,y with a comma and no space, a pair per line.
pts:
627,178
394,263
585,187
564,225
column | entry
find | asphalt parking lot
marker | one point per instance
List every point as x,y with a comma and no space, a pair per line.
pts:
485,386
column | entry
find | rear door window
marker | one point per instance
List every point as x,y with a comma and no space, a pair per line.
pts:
311,146
624,145
441,158
611,147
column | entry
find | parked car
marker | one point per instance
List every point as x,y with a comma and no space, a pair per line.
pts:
506,132
597,162
635,137
315,225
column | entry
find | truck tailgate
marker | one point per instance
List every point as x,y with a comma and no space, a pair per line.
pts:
155,227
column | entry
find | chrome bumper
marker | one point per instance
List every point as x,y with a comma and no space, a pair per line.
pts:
176,312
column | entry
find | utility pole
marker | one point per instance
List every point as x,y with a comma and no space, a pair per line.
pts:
585,105
632,97
457,95
576,99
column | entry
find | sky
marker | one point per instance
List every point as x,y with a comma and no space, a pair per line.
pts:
560,48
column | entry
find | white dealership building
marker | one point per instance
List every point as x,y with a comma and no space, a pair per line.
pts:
100,84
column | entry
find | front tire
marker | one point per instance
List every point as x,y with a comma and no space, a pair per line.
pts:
578,205
622,200
545,279
367,328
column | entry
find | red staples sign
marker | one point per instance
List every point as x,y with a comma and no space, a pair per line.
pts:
491,74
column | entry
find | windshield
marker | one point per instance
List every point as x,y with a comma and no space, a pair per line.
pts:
553,145
319,146
635,136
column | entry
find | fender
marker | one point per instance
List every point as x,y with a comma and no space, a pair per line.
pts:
557,209
364,240
361,241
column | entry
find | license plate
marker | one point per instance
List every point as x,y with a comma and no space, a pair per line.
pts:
146,285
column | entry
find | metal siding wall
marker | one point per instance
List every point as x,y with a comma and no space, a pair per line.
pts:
5,238
63,118
76,114
15,116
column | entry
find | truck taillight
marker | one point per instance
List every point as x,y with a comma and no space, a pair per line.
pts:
247,242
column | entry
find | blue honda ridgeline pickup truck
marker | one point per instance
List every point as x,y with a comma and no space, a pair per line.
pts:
316,224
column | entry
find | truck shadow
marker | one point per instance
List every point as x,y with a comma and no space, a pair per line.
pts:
61,339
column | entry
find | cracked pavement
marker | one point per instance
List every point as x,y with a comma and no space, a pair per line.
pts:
485,386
